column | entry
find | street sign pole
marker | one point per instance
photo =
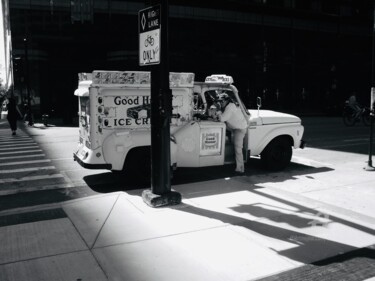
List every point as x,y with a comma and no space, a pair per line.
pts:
369,166
28,88
161,106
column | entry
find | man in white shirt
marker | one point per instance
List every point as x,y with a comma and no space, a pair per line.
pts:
236,122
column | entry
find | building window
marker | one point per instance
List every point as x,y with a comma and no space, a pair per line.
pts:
303,4
82,10
330,7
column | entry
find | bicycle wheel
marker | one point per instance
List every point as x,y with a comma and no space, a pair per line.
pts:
348,118
366,119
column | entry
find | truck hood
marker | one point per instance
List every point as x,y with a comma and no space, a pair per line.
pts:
267,117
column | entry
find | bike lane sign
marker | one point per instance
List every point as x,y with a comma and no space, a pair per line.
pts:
149,35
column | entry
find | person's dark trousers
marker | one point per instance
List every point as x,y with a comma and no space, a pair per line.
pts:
12,123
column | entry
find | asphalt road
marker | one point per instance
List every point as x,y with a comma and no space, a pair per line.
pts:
37,167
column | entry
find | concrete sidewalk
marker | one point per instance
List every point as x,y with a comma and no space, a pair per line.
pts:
225,229
238,228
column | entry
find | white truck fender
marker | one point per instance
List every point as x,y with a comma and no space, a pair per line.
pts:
117,145
265,134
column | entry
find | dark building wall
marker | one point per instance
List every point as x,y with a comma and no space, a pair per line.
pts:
297,55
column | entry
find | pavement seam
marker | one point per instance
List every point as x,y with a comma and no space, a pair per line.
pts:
47,206
100,230
90,249
224,225
42,257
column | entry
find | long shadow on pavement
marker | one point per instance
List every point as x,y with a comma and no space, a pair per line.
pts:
304,248
111,182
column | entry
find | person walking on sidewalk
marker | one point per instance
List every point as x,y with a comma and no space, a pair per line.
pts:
13,114
236,122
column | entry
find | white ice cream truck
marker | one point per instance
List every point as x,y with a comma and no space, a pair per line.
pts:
115,131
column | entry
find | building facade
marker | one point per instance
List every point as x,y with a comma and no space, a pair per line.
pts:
298,55
6,74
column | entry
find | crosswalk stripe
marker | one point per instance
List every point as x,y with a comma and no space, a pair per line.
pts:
22,156
25,162
32,178
19,147
27,169
15,138
32,189
24,167
20,152
17,144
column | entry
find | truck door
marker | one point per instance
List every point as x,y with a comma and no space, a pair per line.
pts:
201,143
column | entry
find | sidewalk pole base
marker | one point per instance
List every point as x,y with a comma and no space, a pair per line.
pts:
156,200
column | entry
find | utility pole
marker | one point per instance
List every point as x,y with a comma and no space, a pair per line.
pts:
369,166
161,110
27,80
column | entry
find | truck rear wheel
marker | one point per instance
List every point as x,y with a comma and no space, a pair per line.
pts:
277,154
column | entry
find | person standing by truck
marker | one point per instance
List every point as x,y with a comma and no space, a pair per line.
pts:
232,115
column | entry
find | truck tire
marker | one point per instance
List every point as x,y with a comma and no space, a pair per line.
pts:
277,154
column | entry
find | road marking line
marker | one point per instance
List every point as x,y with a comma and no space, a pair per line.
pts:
342,145
18,144
19,152
27,169
362,139
25,162
32,178
23,156
33,189
14,142
19,147
15,138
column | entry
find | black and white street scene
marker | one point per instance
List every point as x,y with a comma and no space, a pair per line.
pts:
187,140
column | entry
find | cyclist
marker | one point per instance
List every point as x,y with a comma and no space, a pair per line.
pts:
353,104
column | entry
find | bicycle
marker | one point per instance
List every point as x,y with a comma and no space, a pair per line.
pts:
149,41
351,117
46,117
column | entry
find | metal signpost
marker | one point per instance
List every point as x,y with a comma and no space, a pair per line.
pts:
153,50
369,166
28,88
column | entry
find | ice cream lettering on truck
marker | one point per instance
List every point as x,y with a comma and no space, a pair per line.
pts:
115,133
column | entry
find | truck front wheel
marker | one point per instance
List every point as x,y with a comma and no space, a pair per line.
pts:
277,154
